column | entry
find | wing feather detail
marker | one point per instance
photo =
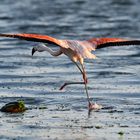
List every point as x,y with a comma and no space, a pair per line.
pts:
81,48
108,42
34,37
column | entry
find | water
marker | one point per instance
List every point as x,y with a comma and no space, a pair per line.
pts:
114,78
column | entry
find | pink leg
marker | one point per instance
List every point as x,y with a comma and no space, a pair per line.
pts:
91,106
84,78
85,82
72,83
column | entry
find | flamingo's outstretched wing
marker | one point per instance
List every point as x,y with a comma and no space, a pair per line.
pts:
34,37
107,42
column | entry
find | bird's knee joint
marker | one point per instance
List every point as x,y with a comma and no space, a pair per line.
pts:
85,79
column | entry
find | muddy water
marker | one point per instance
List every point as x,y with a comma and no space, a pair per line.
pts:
114,78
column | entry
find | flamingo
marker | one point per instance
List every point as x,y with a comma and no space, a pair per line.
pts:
76,50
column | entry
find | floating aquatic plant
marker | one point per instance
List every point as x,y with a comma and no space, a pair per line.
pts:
14,107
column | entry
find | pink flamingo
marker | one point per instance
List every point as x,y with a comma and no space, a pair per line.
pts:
76,50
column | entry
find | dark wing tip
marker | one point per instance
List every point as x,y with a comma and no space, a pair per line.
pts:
119,43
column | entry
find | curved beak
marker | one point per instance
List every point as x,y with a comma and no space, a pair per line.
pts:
33,51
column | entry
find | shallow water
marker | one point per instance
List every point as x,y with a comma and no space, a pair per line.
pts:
114,78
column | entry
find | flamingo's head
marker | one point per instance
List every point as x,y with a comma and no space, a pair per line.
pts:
39,48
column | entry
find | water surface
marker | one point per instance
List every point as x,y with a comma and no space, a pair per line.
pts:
114,78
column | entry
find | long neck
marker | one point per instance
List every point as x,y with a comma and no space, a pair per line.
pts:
53,53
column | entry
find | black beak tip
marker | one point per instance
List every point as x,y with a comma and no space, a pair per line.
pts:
33,51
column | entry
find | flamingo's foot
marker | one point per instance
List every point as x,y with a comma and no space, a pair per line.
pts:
94,106
62,87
